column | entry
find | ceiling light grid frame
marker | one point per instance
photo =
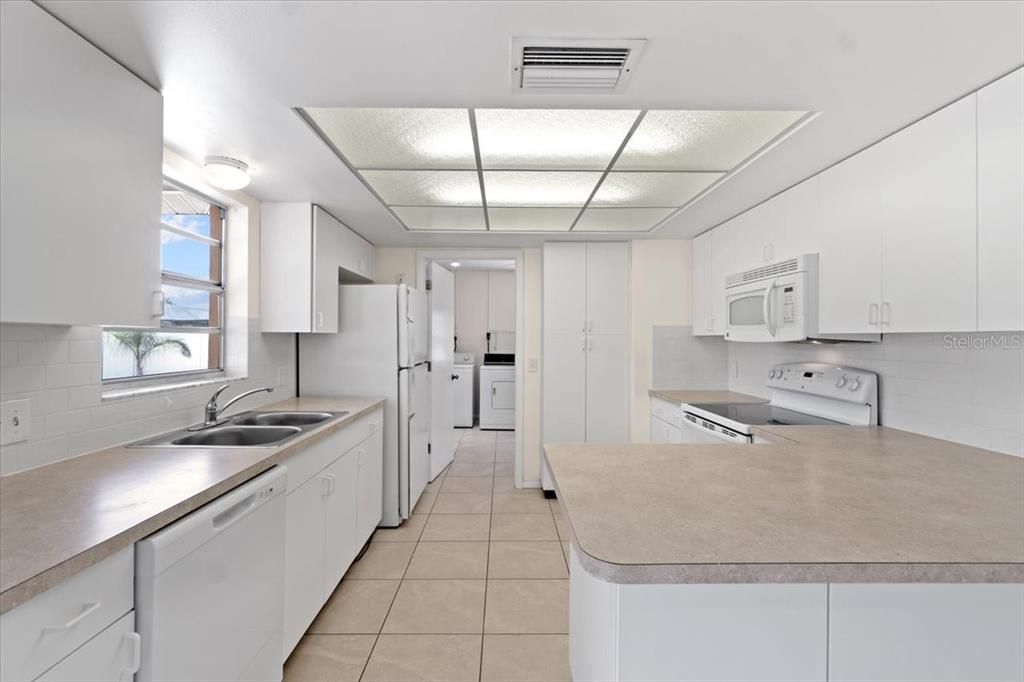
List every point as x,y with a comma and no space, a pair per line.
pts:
485,207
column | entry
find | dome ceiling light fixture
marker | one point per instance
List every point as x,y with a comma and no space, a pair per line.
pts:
225,172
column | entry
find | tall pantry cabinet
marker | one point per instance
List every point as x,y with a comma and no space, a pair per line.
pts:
586,324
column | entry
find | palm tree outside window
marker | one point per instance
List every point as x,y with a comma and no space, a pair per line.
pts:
190,336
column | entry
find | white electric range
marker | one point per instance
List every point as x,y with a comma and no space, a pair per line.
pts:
803,394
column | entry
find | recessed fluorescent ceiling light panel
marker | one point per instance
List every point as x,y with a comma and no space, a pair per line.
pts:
544,170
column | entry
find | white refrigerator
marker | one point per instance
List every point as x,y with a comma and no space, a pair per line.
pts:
380,350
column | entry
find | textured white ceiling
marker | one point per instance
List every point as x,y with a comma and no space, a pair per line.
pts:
231,73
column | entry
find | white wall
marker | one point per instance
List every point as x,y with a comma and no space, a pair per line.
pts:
968,395
660,294
393,265
58,367
532,434
481,296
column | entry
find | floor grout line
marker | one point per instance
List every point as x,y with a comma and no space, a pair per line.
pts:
487,579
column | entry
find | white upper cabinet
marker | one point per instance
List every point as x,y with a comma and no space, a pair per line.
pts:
723,262
565,287
355,255
703,302
304,253
790,223
607,287
929,238
1001,204
850,247
80,179
327,243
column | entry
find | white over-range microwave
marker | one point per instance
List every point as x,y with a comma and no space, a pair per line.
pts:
777,302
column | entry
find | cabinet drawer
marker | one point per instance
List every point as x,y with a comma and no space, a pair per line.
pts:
667,412
114,654
39,633
314,458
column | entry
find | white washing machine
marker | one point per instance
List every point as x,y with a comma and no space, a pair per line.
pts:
462,389
498,391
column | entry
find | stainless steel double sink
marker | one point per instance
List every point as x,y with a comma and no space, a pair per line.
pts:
249,429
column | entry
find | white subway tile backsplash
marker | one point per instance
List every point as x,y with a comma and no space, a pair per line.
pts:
84,351
65,375
22,379
69,421
972,395
42,352
58,368
8,353
47,402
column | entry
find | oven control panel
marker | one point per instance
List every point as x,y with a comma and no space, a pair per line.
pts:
838,382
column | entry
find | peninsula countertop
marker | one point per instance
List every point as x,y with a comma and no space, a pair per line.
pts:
815,504
680,397
59,519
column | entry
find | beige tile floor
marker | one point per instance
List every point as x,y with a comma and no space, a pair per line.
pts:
473,587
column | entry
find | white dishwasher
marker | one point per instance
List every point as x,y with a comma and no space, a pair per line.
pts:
209,589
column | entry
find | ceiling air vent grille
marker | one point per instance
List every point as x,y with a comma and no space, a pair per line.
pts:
550,64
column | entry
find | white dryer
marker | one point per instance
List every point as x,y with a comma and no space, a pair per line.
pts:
498,391
462,389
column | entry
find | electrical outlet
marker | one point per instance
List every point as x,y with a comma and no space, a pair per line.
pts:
17,421
531,365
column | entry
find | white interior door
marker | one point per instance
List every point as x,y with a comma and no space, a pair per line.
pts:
442,341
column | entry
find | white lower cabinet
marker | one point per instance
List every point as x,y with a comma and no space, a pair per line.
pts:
663,432
691,632
76,630
921,632
304,559
341,507
371,486
666,421
114,654
334,503
926,632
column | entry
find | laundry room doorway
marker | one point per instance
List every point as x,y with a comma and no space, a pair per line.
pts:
477,361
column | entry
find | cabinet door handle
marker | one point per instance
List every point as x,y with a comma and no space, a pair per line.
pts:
584,346
90,608
885,313
590,345
135,641
494,390
325,485
159,303
873,314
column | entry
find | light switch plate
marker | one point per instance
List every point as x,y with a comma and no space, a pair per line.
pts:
531,365
17,421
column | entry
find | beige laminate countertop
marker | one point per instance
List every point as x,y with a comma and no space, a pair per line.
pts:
817,504
681,397
59,519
